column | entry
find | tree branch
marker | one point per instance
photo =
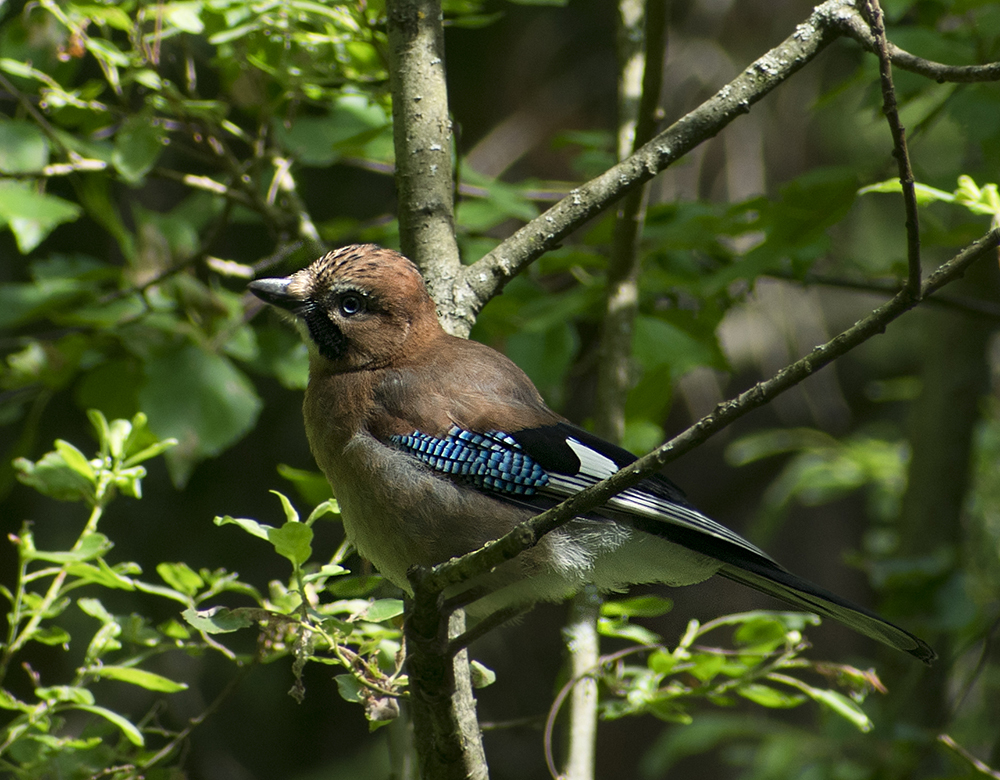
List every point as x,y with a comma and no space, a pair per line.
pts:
855,26
899,151
637,106
423,144
487,277
475,285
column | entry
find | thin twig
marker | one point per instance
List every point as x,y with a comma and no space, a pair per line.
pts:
965,304
184,733
855,26
980,766
891,110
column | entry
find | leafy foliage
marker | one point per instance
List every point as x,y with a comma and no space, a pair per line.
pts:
37,740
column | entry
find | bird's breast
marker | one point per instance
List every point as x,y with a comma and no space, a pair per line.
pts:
398,513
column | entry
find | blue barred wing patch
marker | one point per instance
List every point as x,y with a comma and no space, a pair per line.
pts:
491,460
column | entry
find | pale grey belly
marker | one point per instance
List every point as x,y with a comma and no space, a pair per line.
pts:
398,514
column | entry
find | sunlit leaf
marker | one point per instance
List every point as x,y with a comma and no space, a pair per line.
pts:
148,680
132,734
32,215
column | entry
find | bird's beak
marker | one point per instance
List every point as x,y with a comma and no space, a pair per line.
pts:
275,292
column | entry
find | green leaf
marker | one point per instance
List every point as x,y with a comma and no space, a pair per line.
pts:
662,662
841,705
101,574
95,609
32,215
76,460
160,590
23,147
657,342
105,51
312,485
293,541
622,629
384,609
185,16
65,693
132,734
140,677
924,194
219,620
706,666
8,702
181,577
51,635
326,571
639,606
151,452
319,141
348,687
199,399
250,526
90,546
137,146
291,516
766,696
482,676
328,507
42,299
53,477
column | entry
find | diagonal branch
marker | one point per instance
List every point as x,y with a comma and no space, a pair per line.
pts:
465,294
487,277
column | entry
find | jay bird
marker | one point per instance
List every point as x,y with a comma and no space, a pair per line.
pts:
435,445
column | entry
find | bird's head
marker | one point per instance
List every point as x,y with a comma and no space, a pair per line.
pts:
361,307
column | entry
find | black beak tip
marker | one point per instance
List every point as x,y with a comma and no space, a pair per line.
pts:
275,292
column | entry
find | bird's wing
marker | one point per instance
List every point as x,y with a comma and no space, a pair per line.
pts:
537,465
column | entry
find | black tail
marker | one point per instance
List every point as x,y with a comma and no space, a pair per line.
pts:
786,586
761,573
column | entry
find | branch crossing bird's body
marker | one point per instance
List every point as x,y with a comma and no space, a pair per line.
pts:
435,445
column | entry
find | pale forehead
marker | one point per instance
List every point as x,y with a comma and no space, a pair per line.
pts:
367,266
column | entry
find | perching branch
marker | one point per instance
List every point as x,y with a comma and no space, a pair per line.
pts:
429,584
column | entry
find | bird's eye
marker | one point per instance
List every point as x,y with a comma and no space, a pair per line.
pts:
350,304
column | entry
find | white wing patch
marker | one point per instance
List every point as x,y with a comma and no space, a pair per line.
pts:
594,467
592,463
